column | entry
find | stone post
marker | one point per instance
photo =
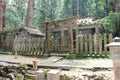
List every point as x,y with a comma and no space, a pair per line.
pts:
115,56
35,65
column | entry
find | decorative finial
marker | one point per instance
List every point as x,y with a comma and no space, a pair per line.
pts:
116,39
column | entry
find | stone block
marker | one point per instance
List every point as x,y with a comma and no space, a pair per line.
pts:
40,74
53,75
31,76
3,78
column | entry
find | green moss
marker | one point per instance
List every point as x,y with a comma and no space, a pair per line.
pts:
6,53
19,77
71,56
22,65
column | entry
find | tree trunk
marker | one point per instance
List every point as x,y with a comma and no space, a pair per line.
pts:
73,7
107,11
1,14
44,14
2,9
52,10
30,13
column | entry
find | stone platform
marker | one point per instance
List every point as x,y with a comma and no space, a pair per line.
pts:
66,69
59,62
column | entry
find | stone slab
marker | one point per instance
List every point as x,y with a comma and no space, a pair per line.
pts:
56,62
4,64
50,60
2,78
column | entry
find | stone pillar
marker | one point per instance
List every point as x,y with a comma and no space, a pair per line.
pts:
47,39
11,41
1,18
77,40
97,29
62,40
115,56
70,43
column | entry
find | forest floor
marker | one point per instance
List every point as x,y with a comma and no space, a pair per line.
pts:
85,66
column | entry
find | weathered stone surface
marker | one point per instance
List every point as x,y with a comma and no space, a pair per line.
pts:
51,60
62,64
40,74
80,77
30,71
68,63
2,78
30,76
15,65
11,76
115,56
53,75
4,64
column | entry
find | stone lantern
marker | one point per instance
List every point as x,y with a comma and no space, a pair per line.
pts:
115,56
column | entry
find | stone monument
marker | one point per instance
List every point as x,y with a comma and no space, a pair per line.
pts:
115,56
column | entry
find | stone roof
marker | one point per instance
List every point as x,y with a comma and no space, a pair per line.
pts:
28,29
75,20
33,31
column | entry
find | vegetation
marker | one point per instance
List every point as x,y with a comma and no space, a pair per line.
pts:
109,23
46,10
